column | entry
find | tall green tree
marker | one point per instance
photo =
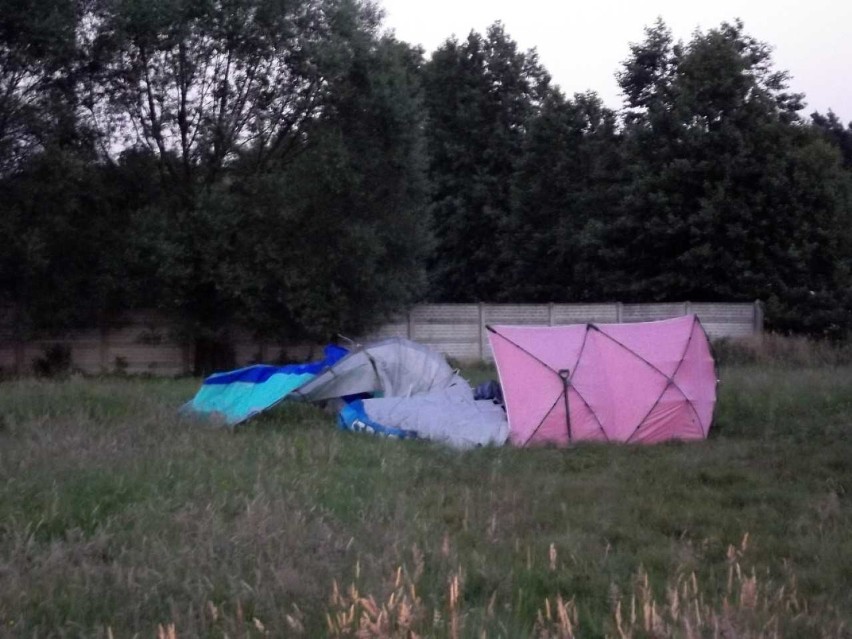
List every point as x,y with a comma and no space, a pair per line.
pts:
717,207
287,138
216,91
57,227
335,241
65,248
480,96
567,186
202,83
832,129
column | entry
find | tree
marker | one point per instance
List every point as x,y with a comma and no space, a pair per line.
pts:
567,186
480,95
833,130
334,242
37,77
715,207
202,83
57,225
217,91
64,259
287,138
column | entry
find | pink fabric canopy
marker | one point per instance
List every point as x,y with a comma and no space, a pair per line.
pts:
644,382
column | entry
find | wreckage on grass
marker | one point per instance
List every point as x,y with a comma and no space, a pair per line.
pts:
393,388
630,383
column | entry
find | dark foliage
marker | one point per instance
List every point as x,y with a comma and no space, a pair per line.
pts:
226,161
729,195
480,96
285,166
833,130
55,361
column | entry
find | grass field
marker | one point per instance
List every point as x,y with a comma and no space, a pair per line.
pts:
118,519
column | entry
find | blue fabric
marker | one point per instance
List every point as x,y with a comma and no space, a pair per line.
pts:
352,417
261,372
234,396
489,390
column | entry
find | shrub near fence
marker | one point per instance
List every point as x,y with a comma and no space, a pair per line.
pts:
146,342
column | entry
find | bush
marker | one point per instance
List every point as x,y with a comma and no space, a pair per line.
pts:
55,361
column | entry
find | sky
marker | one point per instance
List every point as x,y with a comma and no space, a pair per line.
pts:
582,44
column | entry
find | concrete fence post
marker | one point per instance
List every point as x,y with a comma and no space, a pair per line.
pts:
103,348
619,312
687,308
188,355
410,328
481,332
19,356
758,317
550,314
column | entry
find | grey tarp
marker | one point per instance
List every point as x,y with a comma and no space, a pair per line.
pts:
394,367
450,416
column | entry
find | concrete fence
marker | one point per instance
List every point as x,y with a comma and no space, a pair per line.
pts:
458,330
145,342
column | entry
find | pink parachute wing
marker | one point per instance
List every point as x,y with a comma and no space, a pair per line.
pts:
643,382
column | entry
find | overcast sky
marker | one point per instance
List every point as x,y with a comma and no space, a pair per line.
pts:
582,44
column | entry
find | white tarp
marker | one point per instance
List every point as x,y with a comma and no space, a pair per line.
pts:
393,367
450,416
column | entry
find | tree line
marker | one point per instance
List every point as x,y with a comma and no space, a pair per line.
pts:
289,165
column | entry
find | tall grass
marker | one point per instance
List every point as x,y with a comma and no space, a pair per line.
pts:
771,349
117,518
749,605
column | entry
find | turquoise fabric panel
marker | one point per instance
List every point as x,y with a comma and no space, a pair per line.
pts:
237,401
